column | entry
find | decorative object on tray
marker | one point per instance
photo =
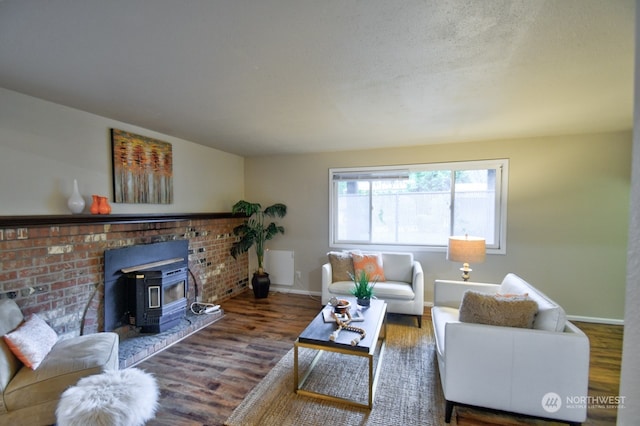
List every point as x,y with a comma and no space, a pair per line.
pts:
363,287
328,314
340,306
254,231
76,201
342,316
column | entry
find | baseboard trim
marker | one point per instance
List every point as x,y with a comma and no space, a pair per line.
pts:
287,290
596,320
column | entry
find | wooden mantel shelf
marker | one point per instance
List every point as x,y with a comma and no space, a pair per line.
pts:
90,219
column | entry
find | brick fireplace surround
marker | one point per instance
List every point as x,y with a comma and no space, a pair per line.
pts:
54,265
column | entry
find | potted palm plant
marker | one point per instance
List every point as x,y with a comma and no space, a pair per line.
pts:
255,232
363,287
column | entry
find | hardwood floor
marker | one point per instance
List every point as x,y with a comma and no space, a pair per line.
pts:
204,377
604,368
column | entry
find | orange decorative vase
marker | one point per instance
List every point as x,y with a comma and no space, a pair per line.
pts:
95,205
103,205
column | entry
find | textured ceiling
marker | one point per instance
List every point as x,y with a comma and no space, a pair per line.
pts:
285,76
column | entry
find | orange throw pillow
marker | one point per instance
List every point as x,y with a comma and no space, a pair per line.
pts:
369,263
31,341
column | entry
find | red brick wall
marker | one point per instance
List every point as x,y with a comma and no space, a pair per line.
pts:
57,271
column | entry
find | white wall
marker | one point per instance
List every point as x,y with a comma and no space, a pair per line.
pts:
630,372
567,213
44,146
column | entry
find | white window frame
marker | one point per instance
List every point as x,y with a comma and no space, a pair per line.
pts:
502,180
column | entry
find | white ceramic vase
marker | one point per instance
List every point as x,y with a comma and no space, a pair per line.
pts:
75,202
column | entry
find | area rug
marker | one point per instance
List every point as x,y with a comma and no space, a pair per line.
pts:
408,390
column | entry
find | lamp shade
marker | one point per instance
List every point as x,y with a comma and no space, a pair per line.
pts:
466,249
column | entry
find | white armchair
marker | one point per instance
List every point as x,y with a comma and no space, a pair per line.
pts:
402,290
538,371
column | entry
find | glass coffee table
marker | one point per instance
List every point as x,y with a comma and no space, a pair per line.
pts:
316,336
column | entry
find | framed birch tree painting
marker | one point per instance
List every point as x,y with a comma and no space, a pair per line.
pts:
142,169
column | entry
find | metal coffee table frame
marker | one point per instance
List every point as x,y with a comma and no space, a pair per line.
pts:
376,329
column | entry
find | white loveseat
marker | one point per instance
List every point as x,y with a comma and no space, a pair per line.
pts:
402,289
541,371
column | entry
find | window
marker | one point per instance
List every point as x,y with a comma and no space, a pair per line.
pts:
419,205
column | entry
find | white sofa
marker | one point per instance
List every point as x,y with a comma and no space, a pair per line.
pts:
541,372
402,290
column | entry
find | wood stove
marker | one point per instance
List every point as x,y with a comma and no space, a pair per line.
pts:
157,297
146,286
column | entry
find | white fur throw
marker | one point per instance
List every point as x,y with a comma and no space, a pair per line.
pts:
114,398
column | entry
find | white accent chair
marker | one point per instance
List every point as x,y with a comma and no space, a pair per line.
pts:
540,372
402,290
